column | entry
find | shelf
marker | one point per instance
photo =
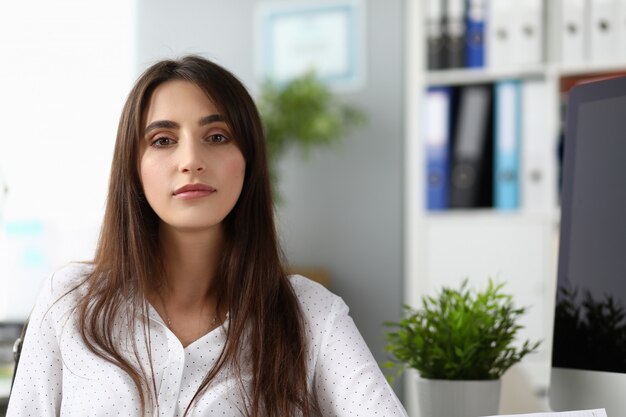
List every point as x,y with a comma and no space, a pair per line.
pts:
466,76
585,69
487,214
442,247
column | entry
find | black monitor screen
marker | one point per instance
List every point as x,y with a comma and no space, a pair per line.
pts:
590,313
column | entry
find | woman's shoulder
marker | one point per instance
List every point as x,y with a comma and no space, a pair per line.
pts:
315,299
308,290
70,275
58,293
64,280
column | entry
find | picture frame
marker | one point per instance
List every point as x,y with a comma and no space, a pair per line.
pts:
326,37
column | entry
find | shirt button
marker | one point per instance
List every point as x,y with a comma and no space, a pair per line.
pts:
171,395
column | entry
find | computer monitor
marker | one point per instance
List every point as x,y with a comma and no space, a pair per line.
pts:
589,340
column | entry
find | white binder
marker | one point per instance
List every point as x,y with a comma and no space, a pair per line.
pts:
621,31
528,32
538,181
603,33
574,32
500,29
514,33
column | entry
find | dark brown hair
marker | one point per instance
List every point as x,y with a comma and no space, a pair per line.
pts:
251,282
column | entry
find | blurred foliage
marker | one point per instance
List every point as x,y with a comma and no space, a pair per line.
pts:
303,113
461,335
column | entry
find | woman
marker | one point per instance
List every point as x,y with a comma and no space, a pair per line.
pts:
186,309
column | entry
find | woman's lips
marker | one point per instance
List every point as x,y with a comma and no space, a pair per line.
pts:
192,191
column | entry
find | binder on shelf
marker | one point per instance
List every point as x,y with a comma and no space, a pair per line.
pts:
471,168
603,33
435,34
454,39
573,31
528,35
501,30
621,31
506,144
538,154
475,33
437,122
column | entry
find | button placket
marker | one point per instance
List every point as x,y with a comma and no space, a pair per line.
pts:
172,377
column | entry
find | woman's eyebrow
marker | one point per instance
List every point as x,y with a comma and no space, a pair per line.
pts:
212,118
168,124
161,124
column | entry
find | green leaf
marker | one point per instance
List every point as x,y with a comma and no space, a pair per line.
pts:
303,113
460,334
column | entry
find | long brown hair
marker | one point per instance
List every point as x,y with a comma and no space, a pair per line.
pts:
251,280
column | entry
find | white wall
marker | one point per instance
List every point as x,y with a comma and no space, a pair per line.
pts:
66,69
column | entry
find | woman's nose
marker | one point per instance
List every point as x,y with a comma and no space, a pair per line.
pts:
190,157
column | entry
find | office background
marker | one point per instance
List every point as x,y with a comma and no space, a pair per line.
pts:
356,210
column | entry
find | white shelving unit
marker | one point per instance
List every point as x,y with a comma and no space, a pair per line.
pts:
519,247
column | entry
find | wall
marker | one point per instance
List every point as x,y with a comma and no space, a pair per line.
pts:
343,206
66,68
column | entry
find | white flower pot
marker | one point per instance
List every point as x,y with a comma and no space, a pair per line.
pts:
450,398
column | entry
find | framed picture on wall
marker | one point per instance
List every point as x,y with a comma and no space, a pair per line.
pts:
326,37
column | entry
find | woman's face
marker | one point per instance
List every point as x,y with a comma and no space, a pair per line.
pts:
191,170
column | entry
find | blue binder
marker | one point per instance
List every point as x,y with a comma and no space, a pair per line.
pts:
507,131
475,33
437,120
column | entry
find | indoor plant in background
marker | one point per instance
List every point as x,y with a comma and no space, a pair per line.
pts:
303,113
461,343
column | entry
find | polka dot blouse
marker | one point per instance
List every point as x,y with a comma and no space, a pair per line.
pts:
59,376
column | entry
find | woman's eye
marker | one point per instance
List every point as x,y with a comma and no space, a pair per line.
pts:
162,141
218,138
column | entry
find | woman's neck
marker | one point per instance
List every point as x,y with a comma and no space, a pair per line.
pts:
190,261
185,301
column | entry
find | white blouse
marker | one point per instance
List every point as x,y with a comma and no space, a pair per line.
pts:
59,376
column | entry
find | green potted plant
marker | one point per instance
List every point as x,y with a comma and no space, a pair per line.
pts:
302,113
461,343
